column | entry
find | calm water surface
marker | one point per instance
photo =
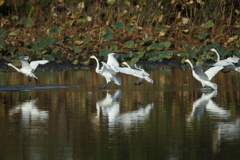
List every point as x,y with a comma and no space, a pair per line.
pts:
65,116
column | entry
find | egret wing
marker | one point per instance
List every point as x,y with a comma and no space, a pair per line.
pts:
211,72
199,71
233,59
34,64
24,62
112,61
107,68
222,63
130,71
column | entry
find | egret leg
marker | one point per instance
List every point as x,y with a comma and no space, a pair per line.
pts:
103,86
36,80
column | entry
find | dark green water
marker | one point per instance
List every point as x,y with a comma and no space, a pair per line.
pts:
65,116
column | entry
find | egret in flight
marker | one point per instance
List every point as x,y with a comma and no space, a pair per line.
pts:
137,72
226,63
28,69
204,77
107,71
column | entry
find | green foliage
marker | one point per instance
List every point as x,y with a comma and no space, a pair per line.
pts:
147,40
184,44
129,44
15,32
202,35
53,30
49,41
113,47
191,52
77,49
104,52
2,32
130,27
119,25
237,32
208,24
2,43
49,57
27,22
165,44
238,43
108,36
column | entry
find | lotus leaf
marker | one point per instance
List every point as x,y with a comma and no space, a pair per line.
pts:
104,52
38,46
146,40
185,44
27,22
86,40
133,61
131,27
191,52
164,54
154,46
238,43
208,24
49,57
119,25
2,43
202,35
108,35
165,44
49,41
2,33
77,49
237,32
129,44
11,50
53,30
14,33
113,47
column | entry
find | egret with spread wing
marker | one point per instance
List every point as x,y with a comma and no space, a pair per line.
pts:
107,72
226,63
137,72
28,69
204,77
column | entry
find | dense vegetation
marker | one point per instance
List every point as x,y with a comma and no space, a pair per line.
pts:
139,29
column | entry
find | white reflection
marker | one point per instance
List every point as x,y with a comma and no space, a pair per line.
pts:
109,108
205,103
226,132
33,122
29,113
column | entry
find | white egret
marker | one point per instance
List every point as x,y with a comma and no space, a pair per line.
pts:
204,77
28,69
226,63
107,72
138,72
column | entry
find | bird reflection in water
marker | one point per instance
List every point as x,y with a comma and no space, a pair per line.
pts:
205,103
29,113
225,130
109,107
33,123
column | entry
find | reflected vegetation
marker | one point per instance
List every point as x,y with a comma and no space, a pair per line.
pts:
169,119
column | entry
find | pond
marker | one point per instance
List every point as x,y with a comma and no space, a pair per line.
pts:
66,116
